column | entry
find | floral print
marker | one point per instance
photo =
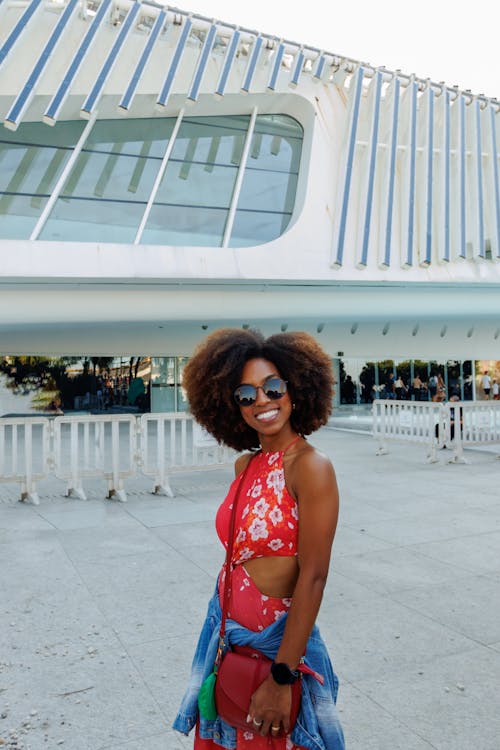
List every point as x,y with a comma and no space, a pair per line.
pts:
276,481
258,529
260,508
268,522
275,544
256,489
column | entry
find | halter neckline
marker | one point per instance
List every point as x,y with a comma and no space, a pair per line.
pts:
295,440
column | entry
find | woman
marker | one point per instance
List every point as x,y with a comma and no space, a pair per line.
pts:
266,395
440,392
400,388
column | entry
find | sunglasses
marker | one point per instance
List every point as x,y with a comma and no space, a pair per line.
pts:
246,394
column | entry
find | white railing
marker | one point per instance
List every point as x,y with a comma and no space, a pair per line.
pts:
25,453
472,423
434,424
110,447
95,446
173,442
408,421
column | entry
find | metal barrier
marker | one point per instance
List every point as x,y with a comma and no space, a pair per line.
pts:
25,453
174,442
115,446
436,425
472,423
409,421
111,446
95,446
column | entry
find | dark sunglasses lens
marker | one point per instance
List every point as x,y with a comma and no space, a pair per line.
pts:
274,388
245,395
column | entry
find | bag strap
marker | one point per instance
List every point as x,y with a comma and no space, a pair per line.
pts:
229,555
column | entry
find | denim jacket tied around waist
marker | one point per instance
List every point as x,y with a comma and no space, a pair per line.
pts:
318,725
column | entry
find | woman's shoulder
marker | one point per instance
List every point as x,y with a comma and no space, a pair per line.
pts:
309,459
310,473
242,462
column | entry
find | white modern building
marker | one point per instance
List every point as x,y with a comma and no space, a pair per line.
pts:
163,174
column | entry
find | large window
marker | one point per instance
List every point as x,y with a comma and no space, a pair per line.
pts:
31,161
129,183
167,393
361,381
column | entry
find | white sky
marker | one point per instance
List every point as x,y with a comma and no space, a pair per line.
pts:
456,41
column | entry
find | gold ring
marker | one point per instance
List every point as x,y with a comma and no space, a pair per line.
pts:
275,729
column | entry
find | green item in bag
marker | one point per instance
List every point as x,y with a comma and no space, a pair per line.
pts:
206,698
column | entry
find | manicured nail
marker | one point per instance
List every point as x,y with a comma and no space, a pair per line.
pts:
249,718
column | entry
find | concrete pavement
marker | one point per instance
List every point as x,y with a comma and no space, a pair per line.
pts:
102,603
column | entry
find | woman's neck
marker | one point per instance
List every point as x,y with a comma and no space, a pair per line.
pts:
280,442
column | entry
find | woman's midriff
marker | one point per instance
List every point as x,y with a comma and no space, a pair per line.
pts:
274,576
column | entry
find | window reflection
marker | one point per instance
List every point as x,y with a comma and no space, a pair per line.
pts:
106,193
167,394
31,161
362,381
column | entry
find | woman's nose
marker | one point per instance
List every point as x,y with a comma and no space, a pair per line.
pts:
261,397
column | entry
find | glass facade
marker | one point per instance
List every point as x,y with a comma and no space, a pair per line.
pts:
361,381
31,161
113,191
167,394
358,381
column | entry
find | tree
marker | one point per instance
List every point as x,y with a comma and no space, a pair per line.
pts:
101,363
33,373
133,367
44,376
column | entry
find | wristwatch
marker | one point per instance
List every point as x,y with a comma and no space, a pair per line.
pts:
282,674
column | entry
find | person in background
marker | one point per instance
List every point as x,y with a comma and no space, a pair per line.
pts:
389,387
55,407
432,386
495,390
453,420
417,387
400,388
440,389
486,384
263,397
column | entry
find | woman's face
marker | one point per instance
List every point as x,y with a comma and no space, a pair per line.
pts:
267,416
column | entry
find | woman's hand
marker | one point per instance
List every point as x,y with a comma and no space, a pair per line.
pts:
271,704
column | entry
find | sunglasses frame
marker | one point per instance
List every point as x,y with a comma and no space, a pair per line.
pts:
262,388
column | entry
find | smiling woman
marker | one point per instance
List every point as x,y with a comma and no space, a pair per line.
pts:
264,396
214,376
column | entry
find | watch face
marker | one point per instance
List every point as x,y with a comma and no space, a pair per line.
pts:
282,674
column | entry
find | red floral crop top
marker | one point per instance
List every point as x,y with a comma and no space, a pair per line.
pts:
266,522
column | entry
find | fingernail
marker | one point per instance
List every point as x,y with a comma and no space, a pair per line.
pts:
249,718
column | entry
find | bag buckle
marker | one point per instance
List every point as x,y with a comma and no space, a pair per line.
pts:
218,657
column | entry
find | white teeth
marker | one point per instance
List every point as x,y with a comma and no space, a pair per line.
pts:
267,415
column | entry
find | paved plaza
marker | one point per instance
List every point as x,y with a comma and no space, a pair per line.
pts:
102,602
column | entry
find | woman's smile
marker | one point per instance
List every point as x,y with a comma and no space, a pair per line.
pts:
267,416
